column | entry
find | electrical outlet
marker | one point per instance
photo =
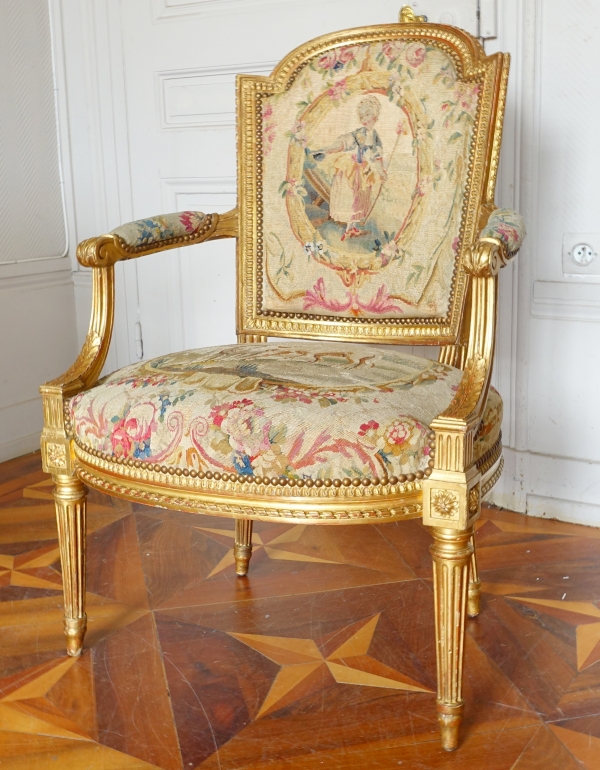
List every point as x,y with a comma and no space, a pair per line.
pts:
580,254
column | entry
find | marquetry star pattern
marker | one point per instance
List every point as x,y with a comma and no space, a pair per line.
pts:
585,616
269,547
304,664
31,569
29,702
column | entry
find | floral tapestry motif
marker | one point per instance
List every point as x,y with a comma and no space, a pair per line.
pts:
364,177
299,410
144,232
507,226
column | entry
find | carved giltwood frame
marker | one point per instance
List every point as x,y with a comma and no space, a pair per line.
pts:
472,65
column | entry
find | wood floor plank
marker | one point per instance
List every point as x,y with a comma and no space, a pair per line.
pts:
132,701
586,748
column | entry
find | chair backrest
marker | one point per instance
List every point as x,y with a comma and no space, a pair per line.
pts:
366,168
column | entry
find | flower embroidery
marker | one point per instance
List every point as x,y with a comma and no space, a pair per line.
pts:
415,54
337,90
337,59
248,434
298,133
367,426
392,49
291,188
268,128
130,435
507,226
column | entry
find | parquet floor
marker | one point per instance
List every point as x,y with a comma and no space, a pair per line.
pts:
322,658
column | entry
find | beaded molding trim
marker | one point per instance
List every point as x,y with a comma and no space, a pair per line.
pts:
487,460
146,497
491,482
243,484
209,224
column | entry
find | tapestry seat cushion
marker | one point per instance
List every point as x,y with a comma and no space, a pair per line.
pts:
304,410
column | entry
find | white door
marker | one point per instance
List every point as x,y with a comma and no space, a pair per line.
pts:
180,58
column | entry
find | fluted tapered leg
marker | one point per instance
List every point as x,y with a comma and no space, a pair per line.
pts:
474,584
69,498
451,551
242,549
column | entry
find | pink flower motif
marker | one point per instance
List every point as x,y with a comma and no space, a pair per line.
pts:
415,54
455,244
388,252
268,128
466,96
391,49
346,54
367,426
189,219
285,393
328,61
134,428
507,233
218,413
247,432
397,433
337,90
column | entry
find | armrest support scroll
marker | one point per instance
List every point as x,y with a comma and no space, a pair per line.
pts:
498,243
455,475
101,254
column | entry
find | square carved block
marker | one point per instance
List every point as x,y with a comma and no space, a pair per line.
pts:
452,500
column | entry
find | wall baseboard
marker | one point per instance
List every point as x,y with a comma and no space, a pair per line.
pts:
22,445
549,487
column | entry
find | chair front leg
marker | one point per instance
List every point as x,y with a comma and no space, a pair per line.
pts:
473,602
451,551
69,499
242,550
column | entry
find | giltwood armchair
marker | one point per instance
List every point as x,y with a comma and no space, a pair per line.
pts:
366,172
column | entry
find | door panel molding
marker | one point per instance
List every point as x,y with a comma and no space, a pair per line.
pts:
183,95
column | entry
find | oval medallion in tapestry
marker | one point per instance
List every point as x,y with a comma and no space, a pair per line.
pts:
364,176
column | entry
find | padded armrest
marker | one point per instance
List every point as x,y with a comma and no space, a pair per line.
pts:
151,231
506,226
148,236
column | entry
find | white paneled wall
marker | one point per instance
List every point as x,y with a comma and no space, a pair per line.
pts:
150,107
37,313
553,462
